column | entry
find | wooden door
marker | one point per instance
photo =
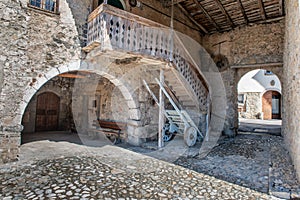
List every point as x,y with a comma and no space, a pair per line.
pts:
47,112
276,105
267,105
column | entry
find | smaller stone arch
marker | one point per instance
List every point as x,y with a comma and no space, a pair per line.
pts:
277,70
251,89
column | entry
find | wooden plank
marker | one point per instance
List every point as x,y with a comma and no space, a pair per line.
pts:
224,13
262,9
110,124
161,122
206,14
262,65
242,10
191,18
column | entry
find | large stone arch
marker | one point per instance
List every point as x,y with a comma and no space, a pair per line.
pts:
76,66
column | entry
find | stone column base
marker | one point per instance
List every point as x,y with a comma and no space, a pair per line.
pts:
10,142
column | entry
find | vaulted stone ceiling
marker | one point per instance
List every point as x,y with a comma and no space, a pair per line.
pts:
223,15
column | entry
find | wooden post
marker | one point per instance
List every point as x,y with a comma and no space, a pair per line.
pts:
161,121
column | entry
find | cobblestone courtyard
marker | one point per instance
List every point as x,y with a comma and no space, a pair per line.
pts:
247,167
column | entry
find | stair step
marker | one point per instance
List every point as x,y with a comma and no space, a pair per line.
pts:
184,98
188,103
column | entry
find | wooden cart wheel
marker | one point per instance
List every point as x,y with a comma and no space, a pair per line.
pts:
190,136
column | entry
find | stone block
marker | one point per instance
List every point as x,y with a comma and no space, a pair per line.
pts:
134,114
28,93
148,131
73,66
135,141
63,69
51,73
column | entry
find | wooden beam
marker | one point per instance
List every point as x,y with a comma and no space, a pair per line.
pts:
206,14
268,20
243,11
161,120
259,66
192,19
224,13
281,7
262,9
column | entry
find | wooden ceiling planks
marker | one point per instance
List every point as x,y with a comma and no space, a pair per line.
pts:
224,15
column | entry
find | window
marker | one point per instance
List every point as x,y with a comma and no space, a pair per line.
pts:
268,73
48,5
241,98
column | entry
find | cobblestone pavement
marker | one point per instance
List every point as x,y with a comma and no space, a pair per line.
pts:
62,170
257,161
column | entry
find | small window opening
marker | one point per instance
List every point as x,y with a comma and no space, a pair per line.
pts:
48,5
268,73
241,98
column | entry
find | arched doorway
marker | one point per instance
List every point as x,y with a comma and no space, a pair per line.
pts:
68,106
256,91
271,105
259,102
47,112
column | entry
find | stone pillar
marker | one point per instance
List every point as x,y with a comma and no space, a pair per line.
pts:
291,83
85,114
231,121
10,141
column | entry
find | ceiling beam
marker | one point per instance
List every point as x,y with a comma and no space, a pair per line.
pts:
221,7
262,9
243,11
192,19
206,14
258,66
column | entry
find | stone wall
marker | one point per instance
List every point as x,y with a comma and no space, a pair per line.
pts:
257,44
291,86
252,105
80,11
33,43
154,10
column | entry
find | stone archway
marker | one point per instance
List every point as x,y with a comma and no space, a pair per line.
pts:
254,100
77,66
277,70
